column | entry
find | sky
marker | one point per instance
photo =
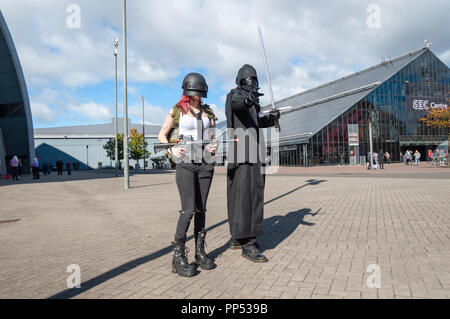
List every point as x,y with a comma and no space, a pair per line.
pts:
66,48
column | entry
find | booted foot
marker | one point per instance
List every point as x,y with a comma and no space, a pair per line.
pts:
252,253
201,258
234,244
180,263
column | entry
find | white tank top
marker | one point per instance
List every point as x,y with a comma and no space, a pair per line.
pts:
188,126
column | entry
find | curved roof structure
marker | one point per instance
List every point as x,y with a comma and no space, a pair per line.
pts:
315,108
16,123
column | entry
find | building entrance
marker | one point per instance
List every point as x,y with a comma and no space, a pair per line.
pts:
290,157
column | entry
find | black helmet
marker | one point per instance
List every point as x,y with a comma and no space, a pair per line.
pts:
247,76
194,84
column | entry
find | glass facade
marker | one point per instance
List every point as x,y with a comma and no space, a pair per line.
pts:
395,124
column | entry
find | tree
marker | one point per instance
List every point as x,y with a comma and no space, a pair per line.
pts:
137,145
437,118
110,147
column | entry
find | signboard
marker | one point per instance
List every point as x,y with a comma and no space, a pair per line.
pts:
421,96
353,135
425,104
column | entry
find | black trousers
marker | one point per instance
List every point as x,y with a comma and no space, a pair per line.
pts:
15,171
193,182
35,172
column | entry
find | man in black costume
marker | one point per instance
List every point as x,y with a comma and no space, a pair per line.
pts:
245,179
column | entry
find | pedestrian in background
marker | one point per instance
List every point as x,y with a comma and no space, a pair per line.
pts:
435,159
19,169
376,160
14,163
59,166
417,157
381,159
35,168
69,168
408,155
430,155
369,160
388,157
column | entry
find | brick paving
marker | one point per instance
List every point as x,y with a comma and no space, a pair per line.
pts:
323,228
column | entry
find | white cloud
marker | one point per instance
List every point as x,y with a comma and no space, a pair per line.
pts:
42,112
91,110
153,114
307,42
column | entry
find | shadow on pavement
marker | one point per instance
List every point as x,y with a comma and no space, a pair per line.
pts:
283,224
278,228
150,185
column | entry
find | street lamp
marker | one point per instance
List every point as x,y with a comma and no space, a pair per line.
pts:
371,120
116,45
143,129
87,156
125,98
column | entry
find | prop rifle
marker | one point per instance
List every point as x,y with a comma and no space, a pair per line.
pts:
274,109
187,141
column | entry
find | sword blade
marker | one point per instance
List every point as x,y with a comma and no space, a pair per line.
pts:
263,51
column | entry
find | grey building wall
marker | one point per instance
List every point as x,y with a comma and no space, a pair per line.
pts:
88,153
82,145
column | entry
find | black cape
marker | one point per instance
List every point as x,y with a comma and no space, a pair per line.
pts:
245,181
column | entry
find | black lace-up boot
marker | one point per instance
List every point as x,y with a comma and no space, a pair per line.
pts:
201,258
180,263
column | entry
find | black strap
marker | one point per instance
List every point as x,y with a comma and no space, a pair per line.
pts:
199,118
199,130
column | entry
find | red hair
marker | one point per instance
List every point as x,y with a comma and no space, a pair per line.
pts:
183,103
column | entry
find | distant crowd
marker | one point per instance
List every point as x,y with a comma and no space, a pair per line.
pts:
377,161
16,168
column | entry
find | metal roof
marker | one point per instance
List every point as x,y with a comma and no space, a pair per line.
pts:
94,130
315,108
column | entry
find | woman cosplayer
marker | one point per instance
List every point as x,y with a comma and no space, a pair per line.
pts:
191,119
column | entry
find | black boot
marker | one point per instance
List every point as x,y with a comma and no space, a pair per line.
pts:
235,244
201,258
252,253
180,263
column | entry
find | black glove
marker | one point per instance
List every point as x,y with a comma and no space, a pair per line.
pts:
275,115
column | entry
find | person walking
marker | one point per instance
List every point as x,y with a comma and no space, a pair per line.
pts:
381,159
430,156
19,169
408,155
388,157
190,117
69,167
59,166
417,157
35,167
14,163
375,160
441,157
369,160
245,179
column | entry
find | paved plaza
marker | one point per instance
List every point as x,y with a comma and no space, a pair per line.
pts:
324,227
